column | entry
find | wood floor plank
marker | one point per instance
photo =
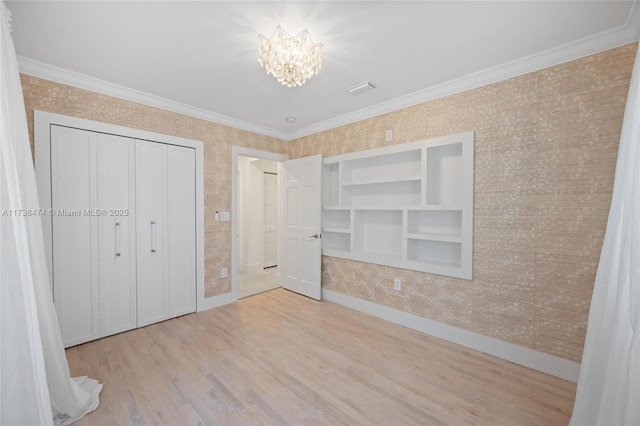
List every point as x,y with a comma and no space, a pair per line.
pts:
280,358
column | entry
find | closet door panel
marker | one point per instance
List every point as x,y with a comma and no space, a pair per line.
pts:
181,230
151,256
75,234
116,202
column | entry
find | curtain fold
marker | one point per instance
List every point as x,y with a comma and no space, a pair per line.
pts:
36,387
609,384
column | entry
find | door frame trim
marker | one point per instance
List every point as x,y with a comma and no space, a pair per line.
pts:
246,152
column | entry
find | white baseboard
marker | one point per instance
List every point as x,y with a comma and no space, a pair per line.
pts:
216,301
556,366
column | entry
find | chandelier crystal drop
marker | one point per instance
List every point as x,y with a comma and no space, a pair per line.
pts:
292,60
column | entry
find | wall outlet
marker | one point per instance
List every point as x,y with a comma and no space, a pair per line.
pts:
388,135
397,284
223,272
225,216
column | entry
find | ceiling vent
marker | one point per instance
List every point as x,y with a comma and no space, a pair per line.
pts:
361,88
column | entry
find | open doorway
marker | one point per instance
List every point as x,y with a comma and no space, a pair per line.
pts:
257,226
256,208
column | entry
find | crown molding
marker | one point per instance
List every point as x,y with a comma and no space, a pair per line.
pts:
81,81
601,42
606,40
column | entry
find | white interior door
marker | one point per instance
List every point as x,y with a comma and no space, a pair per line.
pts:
94,277
181,229
270,219
302,247
75,234
116,230
151,187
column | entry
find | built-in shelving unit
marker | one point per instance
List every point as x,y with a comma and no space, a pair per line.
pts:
409,206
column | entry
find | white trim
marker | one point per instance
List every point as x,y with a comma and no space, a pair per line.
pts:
247,152
540,361
42,126
81,81
606,40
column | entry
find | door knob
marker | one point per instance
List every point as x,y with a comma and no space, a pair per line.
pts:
316,236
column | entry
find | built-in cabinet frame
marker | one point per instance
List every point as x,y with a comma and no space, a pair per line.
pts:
408,206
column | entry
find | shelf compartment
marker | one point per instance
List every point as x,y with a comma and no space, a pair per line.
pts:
389,193
435,222
330,184
441,253
378,232
336,241
336,219
445,175
393,166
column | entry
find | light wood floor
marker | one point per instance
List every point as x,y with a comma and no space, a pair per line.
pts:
248,285
280,358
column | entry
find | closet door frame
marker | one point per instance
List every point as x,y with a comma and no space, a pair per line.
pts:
42,142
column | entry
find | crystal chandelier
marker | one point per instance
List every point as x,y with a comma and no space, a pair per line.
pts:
291,60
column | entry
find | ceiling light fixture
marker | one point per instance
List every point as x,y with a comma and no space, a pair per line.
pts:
292,60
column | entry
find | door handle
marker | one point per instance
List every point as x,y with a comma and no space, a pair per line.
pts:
117,238
153,235
316,236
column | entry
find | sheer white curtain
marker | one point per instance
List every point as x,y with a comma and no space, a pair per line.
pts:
35,384
609,385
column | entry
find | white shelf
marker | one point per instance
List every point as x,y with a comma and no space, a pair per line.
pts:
376,181
451,265
406,206
335,208
435,237
337,230
436,207
336,252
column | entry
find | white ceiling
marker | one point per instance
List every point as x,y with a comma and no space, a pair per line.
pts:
200,58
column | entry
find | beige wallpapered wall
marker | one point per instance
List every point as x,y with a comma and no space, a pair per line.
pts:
48,96
545,151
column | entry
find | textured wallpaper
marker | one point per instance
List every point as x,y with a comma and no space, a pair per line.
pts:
545,151
48,96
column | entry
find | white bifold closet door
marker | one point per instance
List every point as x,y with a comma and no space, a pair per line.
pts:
165,209
123,232
94,276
